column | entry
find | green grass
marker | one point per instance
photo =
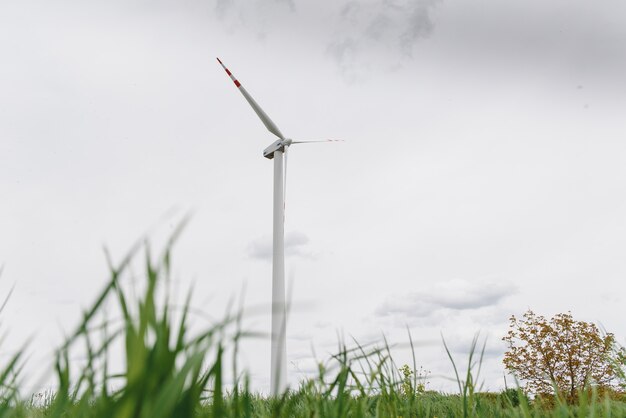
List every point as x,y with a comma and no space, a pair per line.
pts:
170,372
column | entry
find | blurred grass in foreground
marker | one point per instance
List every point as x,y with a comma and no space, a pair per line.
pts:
170,373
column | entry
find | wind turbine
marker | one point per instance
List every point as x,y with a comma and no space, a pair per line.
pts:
277,150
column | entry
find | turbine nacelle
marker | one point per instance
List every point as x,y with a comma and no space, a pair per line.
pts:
278,145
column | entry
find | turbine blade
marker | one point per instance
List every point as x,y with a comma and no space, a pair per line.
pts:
323,140
269,124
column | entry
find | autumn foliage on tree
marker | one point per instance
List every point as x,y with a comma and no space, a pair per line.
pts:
561,352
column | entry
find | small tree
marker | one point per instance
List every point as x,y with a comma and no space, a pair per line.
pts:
620,365
560,352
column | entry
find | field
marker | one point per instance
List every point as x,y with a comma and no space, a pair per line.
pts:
171,373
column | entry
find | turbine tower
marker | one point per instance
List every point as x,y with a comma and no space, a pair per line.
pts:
276,151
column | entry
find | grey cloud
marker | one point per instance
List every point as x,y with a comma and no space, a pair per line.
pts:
363,36
296,244
375,33
472,296
382,34
290,3
359,35
455,295
222,7
343,52
419,25
300,336
378,27
571,37
260,248
302,354
258,16
296,239
492,348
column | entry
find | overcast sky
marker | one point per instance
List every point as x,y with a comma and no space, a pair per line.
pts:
482,171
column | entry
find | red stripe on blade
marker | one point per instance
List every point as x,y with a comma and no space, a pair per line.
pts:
237,83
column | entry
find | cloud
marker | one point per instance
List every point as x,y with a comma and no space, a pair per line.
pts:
419,24
489,346
241,7
454,295
564,37
300,336
379,33
368,36
258,16
296,245
359,35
